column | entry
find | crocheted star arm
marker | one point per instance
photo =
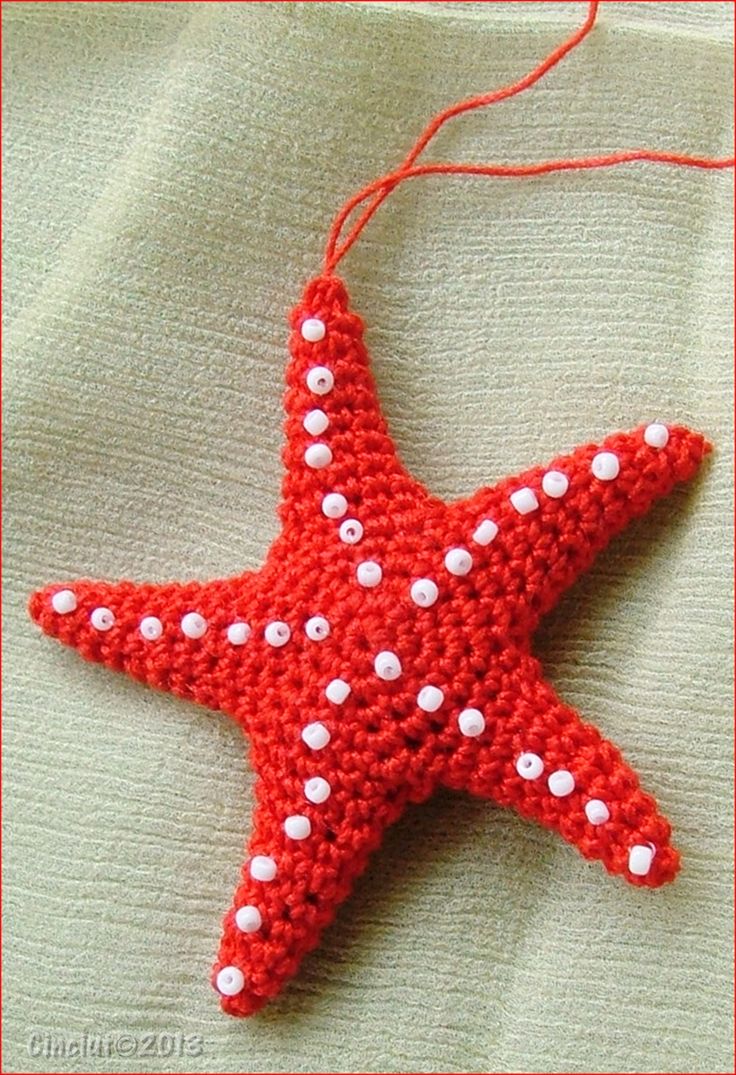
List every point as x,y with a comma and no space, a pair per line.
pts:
537,532
337,440
537,756
186,638
312,837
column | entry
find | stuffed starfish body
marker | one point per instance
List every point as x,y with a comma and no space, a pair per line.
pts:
383,650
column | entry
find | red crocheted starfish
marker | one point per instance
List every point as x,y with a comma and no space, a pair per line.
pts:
383,650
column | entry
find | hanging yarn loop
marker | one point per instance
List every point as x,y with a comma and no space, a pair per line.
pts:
380,188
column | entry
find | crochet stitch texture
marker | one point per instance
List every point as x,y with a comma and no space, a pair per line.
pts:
383,650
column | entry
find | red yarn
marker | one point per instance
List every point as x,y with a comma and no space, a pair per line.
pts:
409,170
473,643
341,767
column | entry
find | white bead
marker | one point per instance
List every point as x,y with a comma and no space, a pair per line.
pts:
458,561
351,531
248,919
337,691
561,783
315,422
151,628
485,533
102,619
318,456
277,633
430,699
387,665
320,380
529,766
317,628
555,484
313,330
316,735
597,812
471,722
524,500
369,573
605,466
656,435
230,981
297,827
424,592
334,505
193,625
317,790
262,868
64,601
238,634
640,859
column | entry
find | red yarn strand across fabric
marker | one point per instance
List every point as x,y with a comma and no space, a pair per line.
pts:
408,169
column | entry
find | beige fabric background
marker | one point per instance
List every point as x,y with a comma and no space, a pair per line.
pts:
171,171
